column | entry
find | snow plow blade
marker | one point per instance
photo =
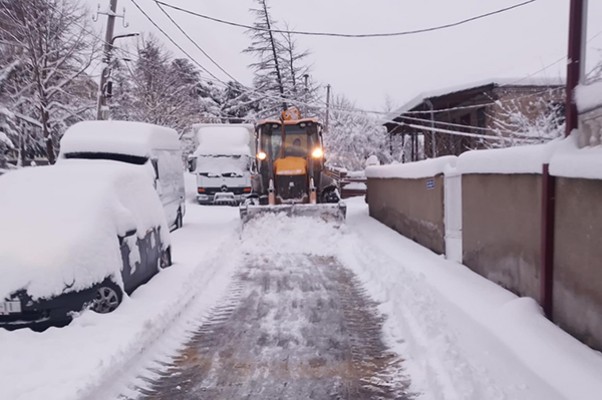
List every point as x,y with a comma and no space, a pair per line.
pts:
329,212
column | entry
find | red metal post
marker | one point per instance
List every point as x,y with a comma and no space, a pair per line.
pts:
573,75
548,197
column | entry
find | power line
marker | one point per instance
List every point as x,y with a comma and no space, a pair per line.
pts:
196,44
174,42
348,35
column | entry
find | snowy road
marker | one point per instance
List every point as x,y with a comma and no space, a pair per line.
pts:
345,305
296,327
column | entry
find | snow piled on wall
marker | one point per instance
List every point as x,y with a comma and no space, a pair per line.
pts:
511,160
589,96
415,170
563,155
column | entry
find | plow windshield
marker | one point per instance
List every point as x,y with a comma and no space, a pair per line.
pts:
296,141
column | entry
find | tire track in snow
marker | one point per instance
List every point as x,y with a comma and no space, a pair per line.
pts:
296,326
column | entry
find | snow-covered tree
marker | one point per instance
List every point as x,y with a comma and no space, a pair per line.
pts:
280,69
538,120
49,47
231,103
160,90
353,136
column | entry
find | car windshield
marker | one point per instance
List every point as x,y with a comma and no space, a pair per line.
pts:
223,165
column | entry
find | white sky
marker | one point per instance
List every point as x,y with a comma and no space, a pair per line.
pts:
508,45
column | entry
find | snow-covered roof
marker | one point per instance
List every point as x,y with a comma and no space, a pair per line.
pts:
498,82
589,96
119,137
224,139
60,223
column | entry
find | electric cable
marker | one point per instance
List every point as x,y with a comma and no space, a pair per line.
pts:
196,44
348,35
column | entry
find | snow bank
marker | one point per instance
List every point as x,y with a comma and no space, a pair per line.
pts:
60,224
462,336
415,170
277,233
118,137
588,96
224,140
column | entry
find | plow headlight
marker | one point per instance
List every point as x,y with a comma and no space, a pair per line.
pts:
262,156
317,153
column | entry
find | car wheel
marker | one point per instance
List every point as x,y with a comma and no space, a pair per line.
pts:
165,258
108,297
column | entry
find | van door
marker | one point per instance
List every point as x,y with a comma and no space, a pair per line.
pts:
170,182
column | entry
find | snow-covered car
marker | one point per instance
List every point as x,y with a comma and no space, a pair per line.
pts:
151,147
74,236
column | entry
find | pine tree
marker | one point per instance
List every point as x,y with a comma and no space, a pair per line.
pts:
279,69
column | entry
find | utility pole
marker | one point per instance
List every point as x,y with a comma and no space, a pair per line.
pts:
576,60
101,112
327,107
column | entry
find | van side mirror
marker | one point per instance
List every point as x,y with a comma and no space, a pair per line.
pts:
191,164
155,164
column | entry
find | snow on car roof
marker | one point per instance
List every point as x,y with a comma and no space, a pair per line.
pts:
119,137
60,224
224,139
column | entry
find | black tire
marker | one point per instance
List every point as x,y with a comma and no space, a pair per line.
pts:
330,195
165,259
107,298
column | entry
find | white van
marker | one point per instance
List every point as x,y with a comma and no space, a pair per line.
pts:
153,147
222,162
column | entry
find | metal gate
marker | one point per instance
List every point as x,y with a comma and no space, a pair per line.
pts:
453,217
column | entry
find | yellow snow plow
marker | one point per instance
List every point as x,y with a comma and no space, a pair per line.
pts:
289,176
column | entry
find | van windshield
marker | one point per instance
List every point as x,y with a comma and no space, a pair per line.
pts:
127,158
229,166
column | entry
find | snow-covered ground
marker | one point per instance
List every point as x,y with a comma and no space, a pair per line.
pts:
462,337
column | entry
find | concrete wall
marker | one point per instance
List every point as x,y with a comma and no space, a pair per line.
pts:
501,222
411,208
578,259
501,236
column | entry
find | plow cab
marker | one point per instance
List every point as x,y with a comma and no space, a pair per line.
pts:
290,176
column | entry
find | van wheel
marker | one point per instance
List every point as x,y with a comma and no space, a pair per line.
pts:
165,258
179,219
108,297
